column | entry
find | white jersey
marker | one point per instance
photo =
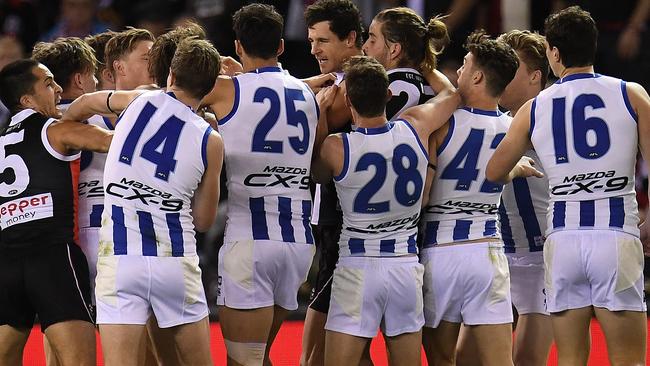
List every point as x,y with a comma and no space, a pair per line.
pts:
380,190
585,133
522,212
155,163
269,138
463,204
91,177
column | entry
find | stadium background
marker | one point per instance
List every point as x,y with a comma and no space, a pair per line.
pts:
623,52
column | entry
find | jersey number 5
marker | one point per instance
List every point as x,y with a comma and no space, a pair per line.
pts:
14,175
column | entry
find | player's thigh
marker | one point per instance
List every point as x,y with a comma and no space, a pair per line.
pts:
626,335
192,342
494,343
123,344
313,338
404,349
246,325
440,342
12,343
572,335
73,341
533,339
343,349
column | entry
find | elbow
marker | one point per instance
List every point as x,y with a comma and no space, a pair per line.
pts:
202,225
494,176
107,143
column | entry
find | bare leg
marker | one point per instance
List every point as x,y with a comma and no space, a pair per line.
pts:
572,337
162,344
190,342
626,334
50,356
533,338
440,343
343,349
73,342
313,339
123,344
245,326
12,344
279,314
405,349
494,342
467,349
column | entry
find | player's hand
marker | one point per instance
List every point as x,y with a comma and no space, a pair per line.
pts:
525,168
628,43
326,96
318,82
230,66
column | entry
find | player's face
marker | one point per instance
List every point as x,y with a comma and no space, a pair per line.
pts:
376,45
465,73
46,93
136,66
88,82
326,46
517,88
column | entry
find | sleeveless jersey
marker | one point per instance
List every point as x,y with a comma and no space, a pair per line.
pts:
91,177
154,165
408,88
585,133
269,138
522,212
463,204
380,190
38,188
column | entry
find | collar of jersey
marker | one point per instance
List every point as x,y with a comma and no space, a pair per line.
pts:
577,77
483,112
375,130
267,69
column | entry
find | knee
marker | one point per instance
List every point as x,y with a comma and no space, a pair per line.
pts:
246,354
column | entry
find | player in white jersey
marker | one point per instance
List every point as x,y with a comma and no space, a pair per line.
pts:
466,272
161,183
268,121
585,130
378,281
522,220
407,47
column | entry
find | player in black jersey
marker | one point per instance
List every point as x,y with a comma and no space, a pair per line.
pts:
408,47
42,270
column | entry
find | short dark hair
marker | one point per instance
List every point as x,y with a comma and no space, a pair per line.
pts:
98,44
574,33
164,47
196,65
17,79
497,60
259,29
366,84
531,49
417,38
123,43
343,17
65,57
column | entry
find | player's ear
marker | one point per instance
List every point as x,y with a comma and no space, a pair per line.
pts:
171,78
26,101
347,101
536,77
280,47
395,50
389,94
239,50
477,76
351,39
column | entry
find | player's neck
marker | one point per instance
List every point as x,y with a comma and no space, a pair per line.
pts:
185,98
250,64
530,94
577,70
483,102
369,122
350,52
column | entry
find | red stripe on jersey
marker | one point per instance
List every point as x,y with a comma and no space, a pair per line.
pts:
74,174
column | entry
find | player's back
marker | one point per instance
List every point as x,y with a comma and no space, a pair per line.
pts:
463,204
380,190
154,165
408,88
268,141
585,134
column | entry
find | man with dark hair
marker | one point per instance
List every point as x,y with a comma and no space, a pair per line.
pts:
163,49
147,256
377,282
43,269
127,58
268,120
105,79
466,271
586,130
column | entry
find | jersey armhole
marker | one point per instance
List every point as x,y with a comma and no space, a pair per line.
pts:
415,135
50,149
235,104
450,131
346,158
626,99
311,92
532,118
204,146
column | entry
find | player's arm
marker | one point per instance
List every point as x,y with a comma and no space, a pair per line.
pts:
430,116
438,81
318,82
206,196
506,162
330,159
105,102
324,99
339,114
221,99
640,102
432,165
68,137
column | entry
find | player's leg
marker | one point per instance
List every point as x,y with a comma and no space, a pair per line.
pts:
122,344
533,339
343,349
279,315
313,338
494,342
190,343
73,342
466,349
12,344
245,333
626,333
50,355
440,343
404,349
160,344
572,336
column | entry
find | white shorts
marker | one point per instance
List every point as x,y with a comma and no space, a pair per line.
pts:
257,274
601,268
370,293
466,283
527,282
89,244
129,288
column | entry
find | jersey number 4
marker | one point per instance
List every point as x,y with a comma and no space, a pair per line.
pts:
160,148
405,175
